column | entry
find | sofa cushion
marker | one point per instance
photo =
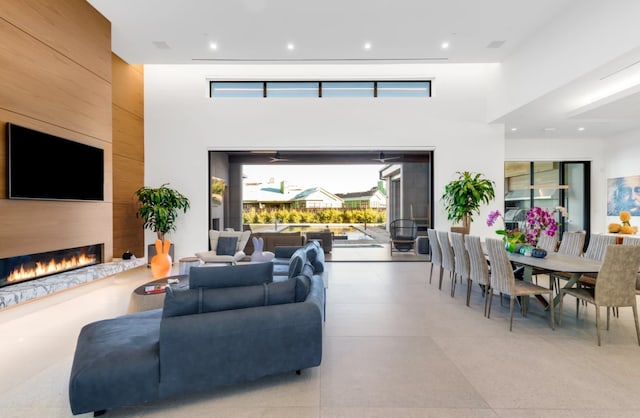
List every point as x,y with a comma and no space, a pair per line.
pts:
303,286
297,262
116,362
179,302
227,245
315,255
230,276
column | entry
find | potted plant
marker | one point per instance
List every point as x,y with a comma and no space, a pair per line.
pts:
462,197
159,208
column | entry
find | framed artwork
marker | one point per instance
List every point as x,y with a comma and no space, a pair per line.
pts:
623,193
217,191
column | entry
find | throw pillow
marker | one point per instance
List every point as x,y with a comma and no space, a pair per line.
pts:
179,302
227,245
230,276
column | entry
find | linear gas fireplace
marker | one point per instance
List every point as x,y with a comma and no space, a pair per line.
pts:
34,266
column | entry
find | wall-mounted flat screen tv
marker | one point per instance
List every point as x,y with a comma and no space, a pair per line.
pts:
44,166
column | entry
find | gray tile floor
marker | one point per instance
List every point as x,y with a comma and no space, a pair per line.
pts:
394,346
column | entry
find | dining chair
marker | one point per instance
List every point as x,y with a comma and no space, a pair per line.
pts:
448,260
631,240
478,268
460,258
549,243
572,243
615,284
504,281
596,249
436,254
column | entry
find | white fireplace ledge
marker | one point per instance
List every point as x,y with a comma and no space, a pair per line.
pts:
24,291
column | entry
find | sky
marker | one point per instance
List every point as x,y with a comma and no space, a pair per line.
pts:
333,178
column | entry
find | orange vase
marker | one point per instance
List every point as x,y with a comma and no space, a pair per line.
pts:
161,262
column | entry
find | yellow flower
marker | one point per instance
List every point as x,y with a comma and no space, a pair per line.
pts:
625,216
626,229
614,228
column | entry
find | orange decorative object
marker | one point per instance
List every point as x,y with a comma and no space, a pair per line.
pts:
161,262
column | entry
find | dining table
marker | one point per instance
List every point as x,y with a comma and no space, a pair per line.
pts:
576,266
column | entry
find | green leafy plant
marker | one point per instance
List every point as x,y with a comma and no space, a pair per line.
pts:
159,208
462,197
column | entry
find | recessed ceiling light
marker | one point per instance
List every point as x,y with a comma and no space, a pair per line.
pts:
367,45
161,45
291,46
549,129
444,45
581,128
213,46
514,129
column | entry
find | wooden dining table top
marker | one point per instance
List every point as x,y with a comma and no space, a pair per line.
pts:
559,262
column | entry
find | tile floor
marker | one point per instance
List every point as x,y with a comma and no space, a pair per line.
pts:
394,346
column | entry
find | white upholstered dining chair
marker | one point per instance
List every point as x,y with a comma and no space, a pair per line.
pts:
436,254
461,259
448,259
478,268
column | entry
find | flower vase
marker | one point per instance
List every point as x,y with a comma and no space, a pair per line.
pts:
510,246
161,262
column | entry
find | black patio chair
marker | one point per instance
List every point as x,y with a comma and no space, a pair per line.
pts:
403,233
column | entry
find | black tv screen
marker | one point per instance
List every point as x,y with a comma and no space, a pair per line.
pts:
43,166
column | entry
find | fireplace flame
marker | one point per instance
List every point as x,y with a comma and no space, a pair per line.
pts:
50,267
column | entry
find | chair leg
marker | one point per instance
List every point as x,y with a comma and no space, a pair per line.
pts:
490,301
560,310
511,305
552,309
598,323
441,277
608,315
454,278
468,291
431,273
635,318
486,299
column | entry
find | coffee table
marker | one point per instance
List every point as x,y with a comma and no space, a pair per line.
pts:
143,301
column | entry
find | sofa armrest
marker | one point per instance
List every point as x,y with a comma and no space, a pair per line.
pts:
285,251
239,345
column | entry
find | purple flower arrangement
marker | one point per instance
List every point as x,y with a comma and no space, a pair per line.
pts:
538,221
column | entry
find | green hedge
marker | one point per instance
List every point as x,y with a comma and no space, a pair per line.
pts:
311,216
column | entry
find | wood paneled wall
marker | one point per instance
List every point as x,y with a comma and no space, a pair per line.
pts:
128,156
55,76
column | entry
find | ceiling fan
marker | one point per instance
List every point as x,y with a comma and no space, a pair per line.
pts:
277,158
381,158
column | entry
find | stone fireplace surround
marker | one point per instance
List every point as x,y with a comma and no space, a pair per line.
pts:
27,290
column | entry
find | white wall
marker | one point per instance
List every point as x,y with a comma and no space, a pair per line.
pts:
182,123
578,41
622,156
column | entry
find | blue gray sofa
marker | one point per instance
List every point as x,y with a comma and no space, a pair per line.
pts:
234,324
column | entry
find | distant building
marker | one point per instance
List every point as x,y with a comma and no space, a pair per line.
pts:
261,196
374,198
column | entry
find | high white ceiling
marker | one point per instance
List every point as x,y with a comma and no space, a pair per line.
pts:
335,31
